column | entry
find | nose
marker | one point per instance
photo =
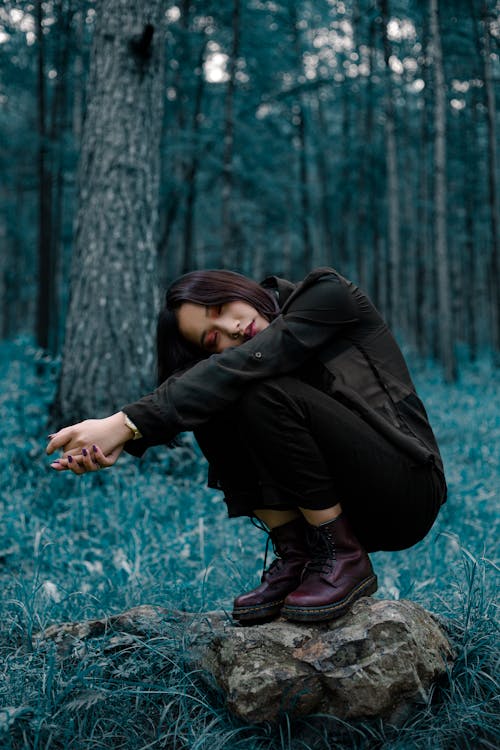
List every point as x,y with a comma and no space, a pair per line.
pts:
229,326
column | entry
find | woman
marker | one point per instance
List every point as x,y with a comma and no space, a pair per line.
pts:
301,400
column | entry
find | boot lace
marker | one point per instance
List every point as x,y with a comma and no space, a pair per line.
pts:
322,549
276,564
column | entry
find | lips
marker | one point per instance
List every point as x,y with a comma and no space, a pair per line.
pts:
250,330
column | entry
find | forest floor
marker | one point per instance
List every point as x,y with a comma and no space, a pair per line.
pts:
149,532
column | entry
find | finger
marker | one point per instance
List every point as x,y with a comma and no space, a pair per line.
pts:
60,465
75,466
75,452
89,460
99,457
58,439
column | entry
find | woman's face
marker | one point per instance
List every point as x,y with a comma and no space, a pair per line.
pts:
214,328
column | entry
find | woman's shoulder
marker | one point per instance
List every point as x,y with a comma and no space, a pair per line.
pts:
321,286
285,289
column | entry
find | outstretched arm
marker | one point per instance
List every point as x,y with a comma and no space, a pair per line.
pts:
184,401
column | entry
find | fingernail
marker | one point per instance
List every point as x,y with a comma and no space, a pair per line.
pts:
94,448
70,459
84,451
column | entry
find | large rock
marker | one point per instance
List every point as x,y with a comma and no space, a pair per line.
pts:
376,661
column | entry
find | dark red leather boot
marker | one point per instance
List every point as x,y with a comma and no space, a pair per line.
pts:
339,573
283,575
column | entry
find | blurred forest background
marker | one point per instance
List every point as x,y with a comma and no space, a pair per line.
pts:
142,140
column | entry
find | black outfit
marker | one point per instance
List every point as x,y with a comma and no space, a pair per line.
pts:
316,409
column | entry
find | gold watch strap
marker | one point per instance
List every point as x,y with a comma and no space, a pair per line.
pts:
135,432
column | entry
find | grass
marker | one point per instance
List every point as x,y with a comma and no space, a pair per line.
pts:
149,532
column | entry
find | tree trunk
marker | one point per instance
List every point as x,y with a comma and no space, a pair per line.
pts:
372,183
45,296
305,210
192,169
58,128
427,317
343,215
78,75
393,207
108,354
5,262
494,269
446,348
231,254
322,166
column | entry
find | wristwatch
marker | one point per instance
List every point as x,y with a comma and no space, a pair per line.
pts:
135,432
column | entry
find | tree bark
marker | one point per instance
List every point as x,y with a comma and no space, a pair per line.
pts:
446,347
108,352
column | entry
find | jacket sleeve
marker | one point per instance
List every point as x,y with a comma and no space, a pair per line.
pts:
316,314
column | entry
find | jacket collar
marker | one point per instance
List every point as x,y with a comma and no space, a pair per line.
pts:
282,288
286,291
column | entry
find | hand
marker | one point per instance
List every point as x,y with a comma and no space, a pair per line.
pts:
86,461
90,445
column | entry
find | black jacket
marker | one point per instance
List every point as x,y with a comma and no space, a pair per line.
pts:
326,320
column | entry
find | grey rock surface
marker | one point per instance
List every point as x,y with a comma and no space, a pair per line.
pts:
377,661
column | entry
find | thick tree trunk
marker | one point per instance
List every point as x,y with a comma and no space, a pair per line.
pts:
108,356
446,347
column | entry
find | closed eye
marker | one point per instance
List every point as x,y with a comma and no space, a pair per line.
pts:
210,340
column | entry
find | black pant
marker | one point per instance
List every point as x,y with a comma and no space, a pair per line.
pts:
286,444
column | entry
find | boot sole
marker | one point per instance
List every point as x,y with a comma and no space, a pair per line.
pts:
330,611
258,613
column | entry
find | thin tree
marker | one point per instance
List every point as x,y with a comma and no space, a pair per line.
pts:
108,350
393,188
228,220
494,269
298,110
192,167
446,347
45,297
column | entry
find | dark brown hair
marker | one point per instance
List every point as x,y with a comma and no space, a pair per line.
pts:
214,287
